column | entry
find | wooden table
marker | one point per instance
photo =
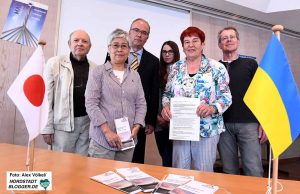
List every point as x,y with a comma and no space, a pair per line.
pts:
71,172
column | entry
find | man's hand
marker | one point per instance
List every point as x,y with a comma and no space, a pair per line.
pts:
262,135
48,138
149,129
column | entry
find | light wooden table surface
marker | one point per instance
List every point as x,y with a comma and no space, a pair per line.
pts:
71,172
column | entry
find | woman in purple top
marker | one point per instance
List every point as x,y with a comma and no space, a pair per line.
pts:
114,92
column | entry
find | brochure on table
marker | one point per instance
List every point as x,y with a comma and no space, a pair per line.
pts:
114,180
195,187
146,182
171,182
133,180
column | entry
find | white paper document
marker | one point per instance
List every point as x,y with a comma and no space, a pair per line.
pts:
185,123
124,132
171,182
195,187
141,179
114,180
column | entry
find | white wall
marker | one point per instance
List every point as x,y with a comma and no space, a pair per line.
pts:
100,17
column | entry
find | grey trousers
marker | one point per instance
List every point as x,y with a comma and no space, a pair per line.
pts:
76,141
242,137
98,151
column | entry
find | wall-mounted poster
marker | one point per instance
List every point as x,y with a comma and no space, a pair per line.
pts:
24,22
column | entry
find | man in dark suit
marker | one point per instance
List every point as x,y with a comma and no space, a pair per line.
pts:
148,68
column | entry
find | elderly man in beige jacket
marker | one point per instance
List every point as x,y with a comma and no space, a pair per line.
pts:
67,128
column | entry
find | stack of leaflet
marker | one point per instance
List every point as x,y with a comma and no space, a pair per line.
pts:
115,181
139,178
195,187
171,182
133,180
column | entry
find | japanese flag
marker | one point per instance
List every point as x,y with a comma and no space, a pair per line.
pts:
28,92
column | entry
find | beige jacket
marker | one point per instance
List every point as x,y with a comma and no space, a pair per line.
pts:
59,83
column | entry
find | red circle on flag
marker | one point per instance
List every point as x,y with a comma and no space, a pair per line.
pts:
34,89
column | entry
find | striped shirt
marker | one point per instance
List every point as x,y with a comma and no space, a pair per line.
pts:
107,99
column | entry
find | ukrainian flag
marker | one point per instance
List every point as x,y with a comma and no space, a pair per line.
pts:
274,99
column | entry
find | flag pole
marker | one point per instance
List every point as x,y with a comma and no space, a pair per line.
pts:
277,29
30,156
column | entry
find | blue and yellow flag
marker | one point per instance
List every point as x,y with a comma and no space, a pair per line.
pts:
274,99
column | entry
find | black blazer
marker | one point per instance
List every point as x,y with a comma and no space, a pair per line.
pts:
149,73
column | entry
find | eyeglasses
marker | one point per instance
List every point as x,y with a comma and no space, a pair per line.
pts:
226,38
137,31
116,46
169,52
